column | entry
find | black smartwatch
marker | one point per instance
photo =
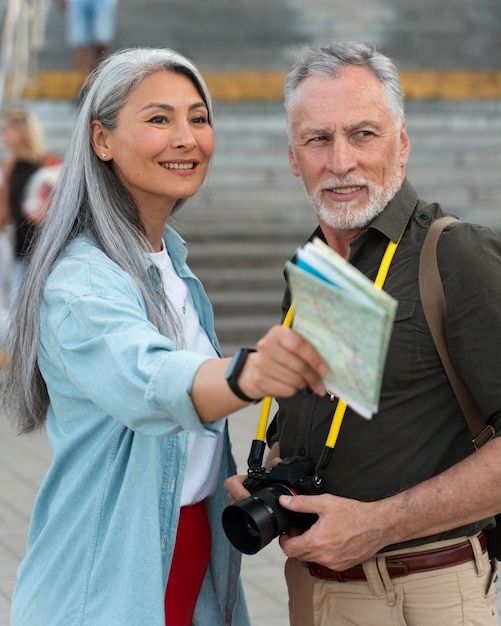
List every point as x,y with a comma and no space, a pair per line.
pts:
234,372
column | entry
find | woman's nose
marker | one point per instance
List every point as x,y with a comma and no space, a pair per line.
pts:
183,136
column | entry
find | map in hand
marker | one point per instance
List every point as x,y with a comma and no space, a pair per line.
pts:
348,320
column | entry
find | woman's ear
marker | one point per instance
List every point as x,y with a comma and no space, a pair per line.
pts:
99,140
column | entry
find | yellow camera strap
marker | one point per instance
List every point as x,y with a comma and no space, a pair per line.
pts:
337,418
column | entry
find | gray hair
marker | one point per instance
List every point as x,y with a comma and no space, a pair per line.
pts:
89,198
330,59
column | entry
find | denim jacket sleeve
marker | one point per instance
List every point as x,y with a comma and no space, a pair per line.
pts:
98,346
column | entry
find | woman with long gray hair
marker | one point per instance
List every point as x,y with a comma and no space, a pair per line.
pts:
113,351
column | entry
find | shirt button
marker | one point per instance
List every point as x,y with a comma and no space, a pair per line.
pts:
164,542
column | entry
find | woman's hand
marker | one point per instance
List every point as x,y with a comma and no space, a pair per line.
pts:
283,364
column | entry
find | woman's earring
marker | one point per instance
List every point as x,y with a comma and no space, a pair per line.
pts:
103,155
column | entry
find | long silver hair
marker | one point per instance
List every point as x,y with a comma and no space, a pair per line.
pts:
89,198
329,60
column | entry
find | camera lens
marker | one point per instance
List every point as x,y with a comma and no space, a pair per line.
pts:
253,522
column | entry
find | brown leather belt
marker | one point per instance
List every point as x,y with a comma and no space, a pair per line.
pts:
403,564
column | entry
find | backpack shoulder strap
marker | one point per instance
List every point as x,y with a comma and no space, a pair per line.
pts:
434,306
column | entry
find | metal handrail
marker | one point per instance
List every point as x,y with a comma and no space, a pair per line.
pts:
8,41
23,34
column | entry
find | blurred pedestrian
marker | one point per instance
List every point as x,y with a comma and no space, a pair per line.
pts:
23,139
5,289
90,31
39,190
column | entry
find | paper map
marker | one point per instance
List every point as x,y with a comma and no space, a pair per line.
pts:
348,320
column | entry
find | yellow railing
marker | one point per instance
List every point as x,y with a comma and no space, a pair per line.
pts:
267,86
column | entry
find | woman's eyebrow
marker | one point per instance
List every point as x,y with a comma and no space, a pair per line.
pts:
169,107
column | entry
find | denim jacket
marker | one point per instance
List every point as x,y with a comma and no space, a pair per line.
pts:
104,522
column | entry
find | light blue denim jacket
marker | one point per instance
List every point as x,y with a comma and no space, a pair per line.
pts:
104,522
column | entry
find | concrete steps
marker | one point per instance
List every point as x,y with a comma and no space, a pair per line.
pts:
259,34
251,213
243,276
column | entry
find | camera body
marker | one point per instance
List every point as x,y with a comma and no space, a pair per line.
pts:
254,521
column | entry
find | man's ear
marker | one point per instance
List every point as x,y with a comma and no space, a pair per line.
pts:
405,145
99,138
293,162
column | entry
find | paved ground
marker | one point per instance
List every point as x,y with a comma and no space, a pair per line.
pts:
23,462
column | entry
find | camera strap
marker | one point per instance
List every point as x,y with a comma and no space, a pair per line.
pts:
256,455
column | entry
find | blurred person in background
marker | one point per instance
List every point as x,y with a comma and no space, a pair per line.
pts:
90,31
5,281
114,352
39,190
23,139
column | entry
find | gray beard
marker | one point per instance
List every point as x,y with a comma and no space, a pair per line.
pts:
345,215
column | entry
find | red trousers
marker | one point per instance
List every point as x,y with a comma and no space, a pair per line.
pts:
189,565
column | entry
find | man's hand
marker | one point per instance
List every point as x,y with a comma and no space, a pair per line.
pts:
234,485
344,535
273,456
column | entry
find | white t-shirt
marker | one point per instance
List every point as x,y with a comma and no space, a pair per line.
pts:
205,453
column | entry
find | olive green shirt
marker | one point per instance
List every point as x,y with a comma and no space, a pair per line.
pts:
419,429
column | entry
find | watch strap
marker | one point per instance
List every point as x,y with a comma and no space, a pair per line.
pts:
234,371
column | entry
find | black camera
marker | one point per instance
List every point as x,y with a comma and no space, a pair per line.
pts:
253,522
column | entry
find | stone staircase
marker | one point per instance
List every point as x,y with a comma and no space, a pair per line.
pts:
246,222
251,213
259,34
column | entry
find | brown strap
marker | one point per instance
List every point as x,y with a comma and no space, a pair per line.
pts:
434,307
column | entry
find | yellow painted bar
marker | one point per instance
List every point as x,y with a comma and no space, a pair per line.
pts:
452,85
52,86
267,86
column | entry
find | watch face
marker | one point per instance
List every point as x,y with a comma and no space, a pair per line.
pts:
237,363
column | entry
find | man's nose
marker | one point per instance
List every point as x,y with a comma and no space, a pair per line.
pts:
341,158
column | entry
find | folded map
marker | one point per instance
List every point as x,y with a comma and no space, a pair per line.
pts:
347,318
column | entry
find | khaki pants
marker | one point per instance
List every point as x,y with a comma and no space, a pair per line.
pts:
459,595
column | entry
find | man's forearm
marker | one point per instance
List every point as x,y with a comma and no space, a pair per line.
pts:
349,532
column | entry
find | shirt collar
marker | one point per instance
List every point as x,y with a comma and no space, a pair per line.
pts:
393,220
176,248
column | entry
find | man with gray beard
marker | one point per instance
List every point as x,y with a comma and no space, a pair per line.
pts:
399,538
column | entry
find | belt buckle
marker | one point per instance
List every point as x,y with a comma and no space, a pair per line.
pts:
397,568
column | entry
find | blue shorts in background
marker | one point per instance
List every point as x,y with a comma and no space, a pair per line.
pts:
90,22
